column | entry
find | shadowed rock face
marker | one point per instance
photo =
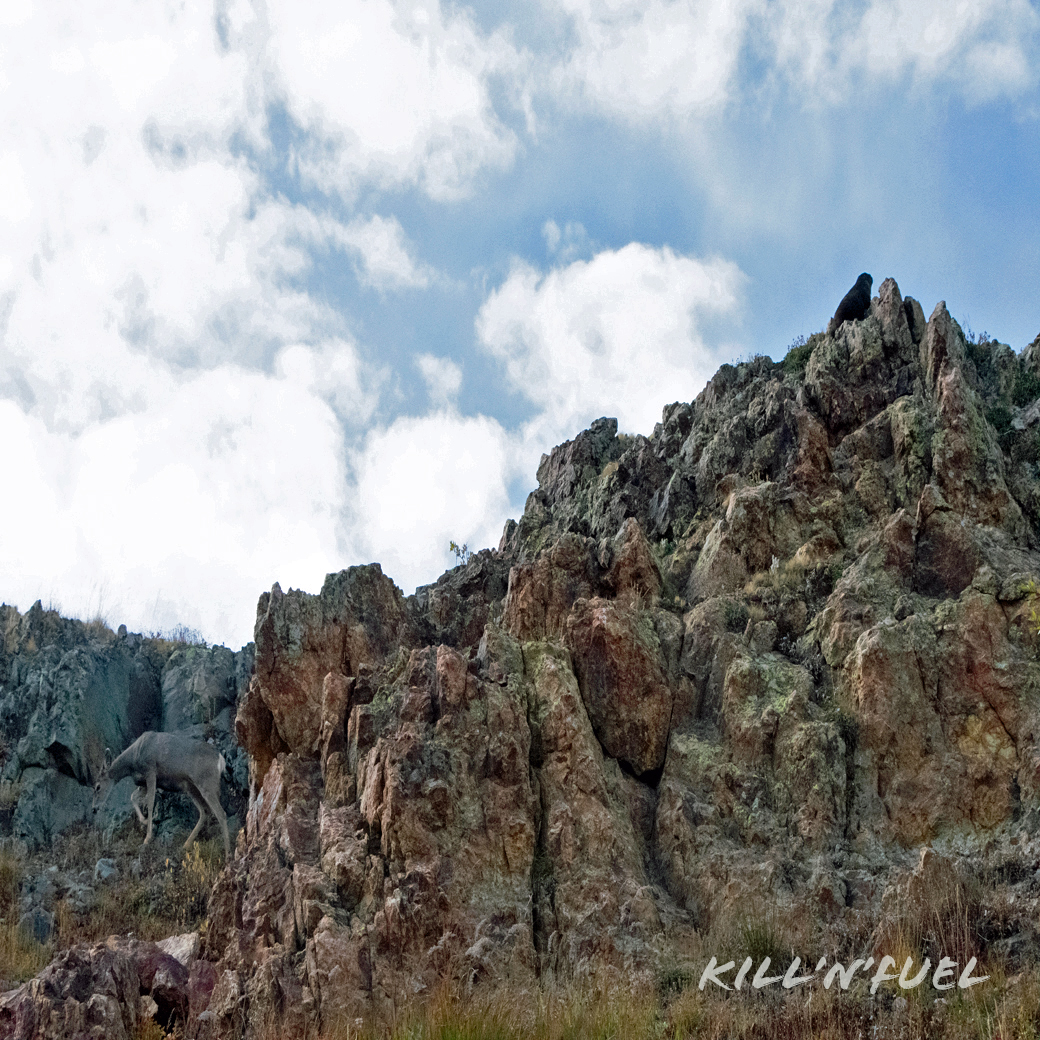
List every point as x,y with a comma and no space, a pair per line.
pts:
70,690
769,650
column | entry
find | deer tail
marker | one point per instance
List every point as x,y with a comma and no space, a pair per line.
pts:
223,766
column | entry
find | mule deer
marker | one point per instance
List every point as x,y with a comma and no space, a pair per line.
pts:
174,763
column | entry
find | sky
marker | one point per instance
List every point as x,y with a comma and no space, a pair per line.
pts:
291,286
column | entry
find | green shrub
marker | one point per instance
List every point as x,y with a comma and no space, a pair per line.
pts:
1000,418
797,357
1026,388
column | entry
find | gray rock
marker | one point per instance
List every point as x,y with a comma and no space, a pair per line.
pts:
80,897
50,802
198,683
82,709
183,948
38,924
105,869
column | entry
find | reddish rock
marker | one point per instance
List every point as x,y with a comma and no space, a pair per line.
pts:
94,991
634,572
617,659
542,593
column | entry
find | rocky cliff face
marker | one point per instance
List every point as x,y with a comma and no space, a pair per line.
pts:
69,690
770,650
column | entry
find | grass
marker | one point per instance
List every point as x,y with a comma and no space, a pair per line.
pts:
21,956
170,895
932,915
599,1009
616,1010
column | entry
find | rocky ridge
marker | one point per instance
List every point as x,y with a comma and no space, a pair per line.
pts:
770,652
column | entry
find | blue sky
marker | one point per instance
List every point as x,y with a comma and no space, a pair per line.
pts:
286,287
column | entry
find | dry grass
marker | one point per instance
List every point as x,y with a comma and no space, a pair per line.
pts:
149,1029
171,895
932,916
21,956
781,577
608,1011
593,1010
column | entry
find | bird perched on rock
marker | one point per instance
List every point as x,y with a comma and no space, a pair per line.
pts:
855,303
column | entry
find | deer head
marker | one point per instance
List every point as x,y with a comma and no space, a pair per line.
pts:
103,783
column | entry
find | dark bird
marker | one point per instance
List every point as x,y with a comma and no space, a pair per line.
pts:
854,304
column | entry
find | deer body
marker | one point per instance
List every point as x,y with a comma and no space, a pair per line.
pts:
174,763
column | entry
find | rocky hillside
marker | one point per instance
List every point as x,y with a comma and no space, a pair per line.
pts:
69,690
766,653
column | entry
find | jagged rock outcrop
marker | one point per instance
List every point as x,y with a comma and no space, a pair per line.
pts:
771,649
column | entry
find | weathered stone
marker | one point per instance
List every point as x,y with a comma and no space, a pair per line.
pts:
617,657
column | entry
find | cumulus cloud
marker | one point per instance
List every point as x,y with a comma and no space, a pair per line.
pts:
987,49
677,60
424,482
176,400
442,377
394,93
615,335
384,254
184,510
672,58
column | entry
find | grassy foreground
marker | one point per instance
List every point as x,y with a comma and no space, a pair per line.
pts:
1007,1010
981,910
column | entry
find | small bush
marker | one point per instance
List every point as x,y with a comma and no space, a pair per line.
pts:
1026,388
462,553
1000,418
761,935
181,633
735,614
980,354
797,357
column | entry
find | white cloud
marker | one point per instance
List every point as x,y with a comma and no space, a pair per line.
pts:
987,48
677,60
182,511
616,335
442,376
424,482
384,254
15,12
15,202
653,58
392,92
334,372
566,244
146,287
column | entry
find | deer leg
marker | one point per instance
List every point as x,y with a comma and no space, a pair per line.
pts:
202,819
151,805
135,802
213,801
